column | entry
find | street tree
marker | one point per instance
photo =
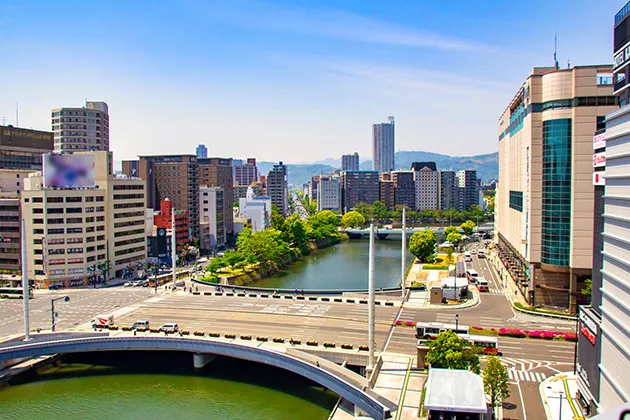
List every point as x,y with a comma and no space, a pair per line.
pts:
365,209
379,210
495,381
421,244
455,238
294,230
468,227
327,217
450,229
450,351
353,219
265,245
277,219
588,288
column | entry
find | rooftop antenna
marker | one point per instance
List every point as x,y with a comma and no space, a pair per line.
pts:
568,64
17,115
555,51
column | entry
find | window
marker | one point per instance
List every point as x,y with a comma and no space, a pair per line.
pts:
56,251
55,231
100,208
38,199
75,250
38,211
54,199
100,218
601,123
89,220
73,199
100,198
74,240
74,230
604,79
38,231
39,221
89,199
74,210
74,220
54,211
56,241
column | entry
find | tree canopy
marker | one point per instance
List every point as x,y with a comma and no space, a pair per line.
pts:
450,351
468,227
422,244
450,229
454,237
353,219
495,381
294,230
264,245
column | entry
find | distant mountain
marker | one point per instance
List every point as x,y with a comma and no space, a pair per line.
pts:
298,174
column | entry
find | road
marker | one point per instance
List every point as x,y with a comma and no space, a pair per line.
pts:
298,207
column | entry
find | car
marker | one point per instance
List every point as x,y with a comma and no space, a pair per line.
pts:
53,287
141,325
145,283
171,327
467,259
137,283
128,283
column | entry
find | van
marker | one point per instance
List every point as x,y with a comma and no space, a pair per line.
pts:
142,325
169,327
482,284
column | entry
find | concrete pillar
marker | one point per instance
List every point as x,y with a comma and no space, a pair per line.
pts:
404,254
200,360
371,299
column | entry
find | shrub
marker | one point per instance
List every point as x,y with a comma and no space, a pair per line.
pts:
278,340
113,327
126,328
311,343
547,335
185,332
410,324
512,332
261,338
297,342
214,334
363,347
570,337
347,346
476,328
490,352
399,322
154,330
246,337
535,334
329,344
389,303
230,335
199,333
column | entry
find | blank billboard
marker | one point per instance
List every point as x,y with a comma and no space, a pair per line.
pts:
68,171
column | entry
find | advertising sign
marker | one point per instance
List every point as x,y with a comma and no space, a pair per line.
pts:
599,141
161,243
599,160
21,137
588,328
68,171
599,178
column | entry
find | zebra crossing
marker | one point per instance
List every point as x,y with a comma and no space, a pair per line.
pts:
519,369
494,291
523,375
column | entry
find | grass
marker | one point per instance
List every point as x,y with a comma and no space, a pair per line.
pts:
542,311
484,332
423,412
441,263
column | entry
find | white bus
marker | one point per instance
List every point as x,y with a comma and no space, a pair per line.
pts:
472,275
430,330
482,284
14,293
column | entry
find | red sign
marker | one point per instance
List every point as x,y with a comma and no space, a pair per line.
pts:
599,141
599,160
599,178
588,334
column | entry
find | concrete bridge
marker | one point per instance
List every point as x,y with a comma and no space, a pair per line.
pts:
383,233
344,384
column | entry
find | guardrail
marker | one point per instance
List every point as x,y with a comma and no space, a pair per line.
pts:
304,292
545,314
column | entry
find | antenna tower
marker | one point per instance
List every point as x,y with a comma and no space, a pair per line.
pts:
555,51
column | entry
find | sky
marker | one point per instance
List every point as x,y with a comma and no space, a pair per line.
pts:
297,81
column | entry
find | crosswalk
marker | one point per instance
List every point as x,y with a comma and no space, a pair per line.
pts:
520,369
494,291
523,375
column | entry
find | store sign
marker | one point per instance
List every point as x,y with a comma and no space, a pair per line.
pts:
599,160
599,178
621,57
588,334
588,328
599,141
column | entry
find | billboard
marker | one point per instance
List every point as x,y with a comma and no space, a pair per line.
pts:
599,160
599,141
21,137
68,171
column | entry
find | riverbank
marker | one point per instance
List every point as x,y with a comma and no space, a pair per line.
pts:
267,269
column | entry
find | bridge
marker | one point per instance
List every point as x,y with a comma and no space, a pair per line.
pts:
384,232
348,385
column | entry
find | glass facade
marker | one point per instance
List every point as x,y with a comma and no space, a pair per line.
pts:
556,194
516,200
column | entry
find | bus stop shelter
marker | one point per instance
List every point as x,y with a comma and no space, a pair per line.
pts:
455,395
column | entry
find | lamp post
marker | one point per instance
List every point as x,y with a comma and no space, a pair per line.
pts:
456,323
52,308
561,398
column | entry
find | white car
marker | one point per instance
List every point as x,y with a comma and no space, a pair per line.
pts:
128,284
137,283
467,259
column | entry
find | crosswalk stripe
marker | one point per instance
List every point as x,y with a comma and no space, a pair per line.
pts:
522,375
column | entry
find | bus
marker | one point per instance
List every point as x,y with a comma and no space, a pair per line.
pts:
430,330
472,275
14,293
482,284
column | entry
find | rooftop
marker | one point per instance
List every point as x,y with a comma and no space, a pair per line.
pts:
456,391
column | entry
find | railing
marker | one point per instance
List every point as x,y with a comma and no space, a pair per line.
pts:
545,314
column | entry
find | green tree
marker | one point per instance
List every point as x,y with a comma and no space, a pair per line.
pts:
232,258
396,213
353,219
277,219
495,381
449,253
421,244
450,214
294,230
468,227
379,210
216,264
452,352
365,209
450,229
588,288
327,217
264,245
455,238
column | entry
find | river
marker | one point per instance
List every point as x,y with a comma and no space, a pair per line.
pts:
153,385
342,266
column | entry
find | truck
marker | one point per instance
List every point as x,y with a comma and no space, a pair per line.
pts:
103,321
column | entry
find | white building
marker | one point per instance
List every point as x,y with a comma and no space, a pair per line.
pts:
81,129
329,193
256,209
211,221
426,179
383,146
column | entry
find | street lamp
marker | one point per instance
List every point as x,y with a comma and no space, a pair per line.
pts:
456,323
561,398
52,308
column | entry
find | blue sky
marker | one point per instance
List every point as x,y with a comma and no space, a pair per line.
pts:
289,80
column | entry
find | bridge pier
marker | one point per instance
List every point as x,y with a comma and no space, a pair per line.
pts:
200,360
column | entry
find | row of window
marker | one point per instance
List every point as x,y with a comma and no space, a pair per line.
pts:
128,187
128,233
129,214
129,251
68,199
516,200
129,241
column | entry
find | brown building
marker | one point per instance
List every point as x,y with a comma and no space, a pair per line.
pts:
22,149
170,176
404,188
217,172
386,195
163,219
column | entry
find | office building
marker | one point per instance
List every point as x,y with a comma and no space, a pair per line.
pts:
211,218
169,176
240,191
256,210
350,162
159,243
329,193
467,189
448,190
81,129
359,187
544,201
217,172
201,151
245,173
163,219
404,188
278,188
386,191
313,185
71,229
10,237
22,149
383,146
426,179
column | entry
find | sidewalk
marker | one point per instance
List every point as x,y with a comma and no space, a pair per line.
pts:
507,282
557,394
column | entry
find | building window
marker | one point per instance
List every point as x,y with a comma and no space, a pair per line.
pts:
556,194
604,79
601,123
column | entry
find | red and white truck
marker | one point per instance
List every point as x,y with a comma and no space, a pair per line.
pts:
103,321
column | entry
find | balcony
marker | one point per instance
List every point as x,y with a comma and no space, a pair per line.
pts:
620,84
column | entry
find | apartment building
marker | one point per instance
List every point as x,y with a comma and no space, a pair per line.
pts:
217,172
256,210
10,247
278,188
383,146
448,192
404,188
245,173
81,129
211,212
201,151
426,181
163,219
359,187
386,191
350,162
329,193
467,189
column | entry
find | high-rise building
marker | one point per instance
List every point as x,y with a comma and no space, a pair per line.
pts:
81,129
359,187
312,188
426,179
174,177
22,149
467,189
201,151
383,146
448,185
163,219
240,191
256,209
211,218
278,188
350,162
10,232
217,172
386,191
404,188
72,230
544,204
329,193
245,173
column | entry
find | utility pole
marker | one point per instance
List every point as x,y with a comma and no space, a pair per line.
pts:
371,303
173,244
26,293
403,268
